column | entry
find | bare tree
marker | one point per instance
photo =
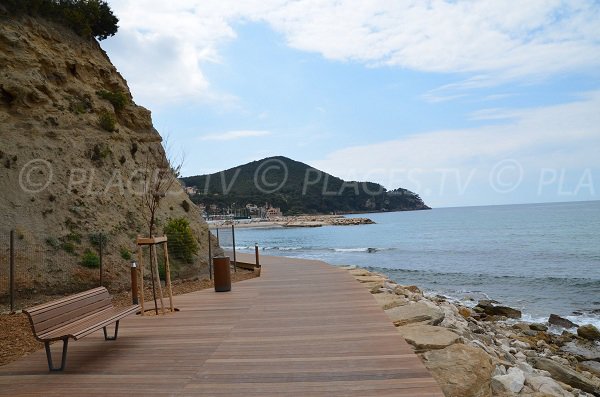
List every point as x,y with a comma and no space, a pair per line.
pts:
160,173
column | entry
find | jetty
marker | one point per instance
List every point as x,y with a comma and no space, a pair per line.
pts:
304,328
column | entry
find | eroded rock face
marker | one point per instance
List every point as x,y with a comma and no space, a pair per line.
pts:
461,370
50,114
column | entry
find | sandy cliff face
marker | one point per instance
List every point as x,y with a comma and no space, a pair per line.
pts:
62,175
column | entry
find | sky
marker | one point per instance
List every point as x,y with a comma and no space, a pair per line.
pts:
463,102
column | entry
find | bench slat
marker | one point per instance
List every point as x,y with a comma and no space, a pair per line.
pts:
90,324
70,316
35,310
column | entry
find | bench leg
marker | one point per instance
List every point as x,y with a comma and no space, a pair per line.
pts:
64,356
106,337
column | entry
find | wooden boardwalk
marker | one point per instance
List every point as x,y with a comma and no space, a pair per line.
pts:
303,328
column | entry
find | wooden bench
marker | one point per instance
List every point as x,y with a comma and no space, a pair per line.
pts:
74,317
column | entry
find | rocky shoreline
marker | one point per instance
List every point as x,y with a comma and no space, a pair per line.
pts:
486,351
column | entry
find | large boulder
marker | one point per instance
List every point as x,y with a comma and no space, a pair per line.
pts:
567,375
545,386
388,301
590,366
490,309
512,382
420,312
428,337
589,332
461,370
559,321
583,350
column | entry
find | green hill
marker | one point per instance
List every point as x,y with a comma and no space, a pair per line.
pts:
296,188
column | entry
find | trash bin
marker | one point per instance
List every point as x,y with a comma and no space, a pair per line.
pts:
222,274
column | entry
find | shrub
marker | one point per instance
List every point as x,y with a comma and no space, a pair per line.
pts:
125,254
95,239
90,259
87,18
182,244
52,242
68,247
107,121
185,205
118,99
73,236
99,152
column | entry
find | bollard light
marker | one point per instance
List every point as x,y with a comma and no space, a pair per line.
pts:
134,283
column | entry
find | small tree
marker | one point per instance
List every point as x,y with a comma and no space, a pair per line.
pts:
159,177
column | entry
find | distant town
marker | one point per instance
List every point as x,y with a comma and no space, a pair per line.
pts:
214,212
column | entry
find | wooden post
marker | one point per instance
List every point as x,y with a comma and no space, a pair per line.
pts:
168,275
233,241
12,271
209,256
100,246
141,276
256,255
134,283
157,275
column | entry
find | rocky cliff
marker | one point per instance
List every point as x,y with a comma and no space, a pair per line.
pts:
73,149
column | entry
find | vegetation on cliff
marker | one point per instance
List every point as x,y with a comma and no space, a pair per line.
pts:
296,188
87,18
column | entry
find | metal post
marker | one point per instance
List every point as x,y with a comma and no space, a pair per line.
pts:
12,271
134,283
233,241
256,255
100,249
209,256
218,242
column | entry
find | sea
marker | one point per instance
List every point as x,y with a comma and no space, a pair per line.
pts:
539,258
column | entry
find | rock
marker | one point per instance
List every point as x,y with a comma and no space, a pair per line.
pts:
590,366
465,312
461,370
388,301
589,332
491,310
371,279
413,288
538,327
582,350
567,375
360,272
557,320
428,337
548,386
416,313
513,381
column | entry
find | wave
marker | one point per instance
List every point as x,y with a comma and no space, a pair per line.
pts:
369,250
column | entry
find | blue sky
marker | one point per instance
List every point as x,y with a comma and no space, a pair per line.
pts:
465,103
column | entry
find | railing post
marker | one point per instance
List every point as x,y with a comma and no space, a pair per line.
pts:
256,254
209,256
12,271
233,241
101,246
134,283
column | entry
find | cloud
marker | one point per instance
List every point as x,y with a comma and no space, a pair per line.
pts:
234,135
162,46
561,137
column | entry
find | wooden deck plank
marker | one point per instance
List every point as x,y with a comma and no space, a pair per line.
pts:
303,328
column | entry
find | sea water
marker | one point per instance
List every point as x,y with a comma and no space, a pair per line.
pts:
540,258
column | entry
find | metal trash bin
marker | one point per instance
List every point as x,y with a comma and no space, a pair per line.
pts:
222,274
